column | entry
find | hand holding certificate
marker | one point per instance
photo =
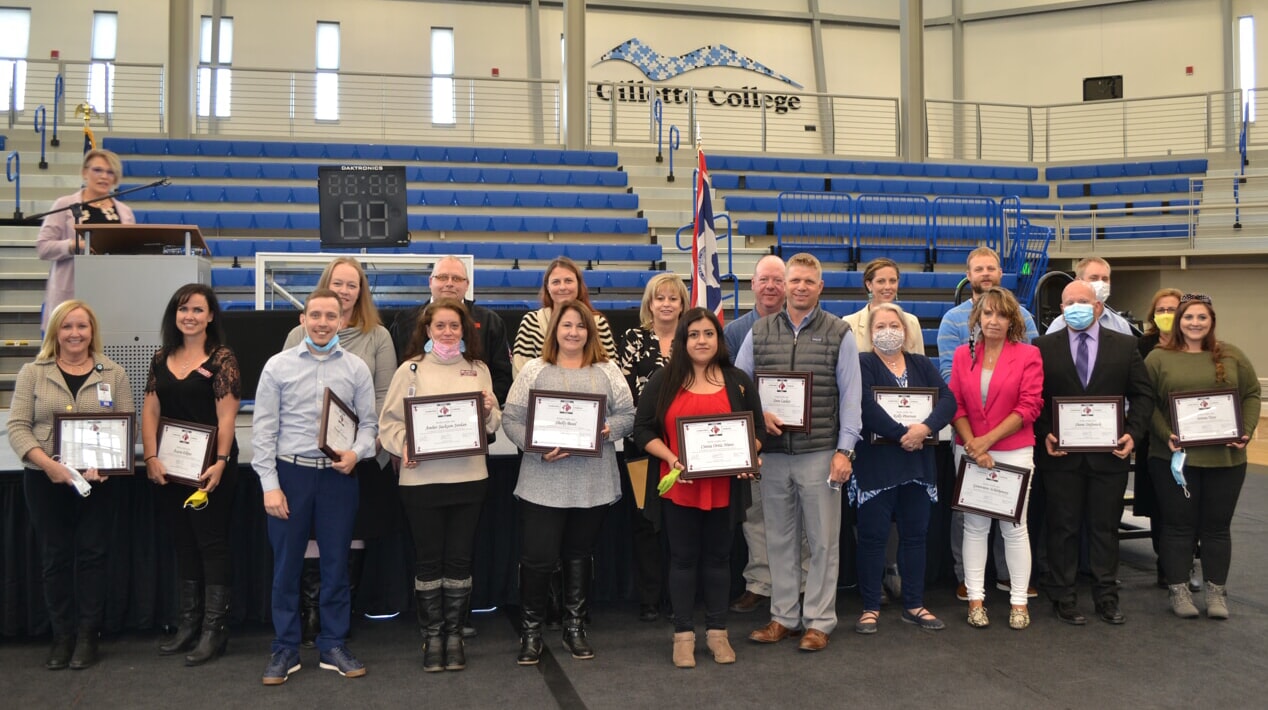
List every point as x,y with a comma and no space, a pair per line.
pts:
1087,423
444,426
998,492
185,450
338,429
787,396
569,422
95,441
1207,417
906,406
717,445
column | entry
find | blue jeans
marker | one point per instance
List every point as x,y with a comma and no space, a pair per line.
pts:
324,502
909,506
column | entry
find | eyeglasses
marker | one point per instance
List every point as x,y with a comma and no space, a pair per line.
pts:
1199,297
446,278
101,171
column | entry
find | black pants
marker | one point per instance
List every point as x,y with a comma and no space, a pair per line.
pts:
649,575
201,537
699,551
1074,497
444,535
74,537
553,534
1206,516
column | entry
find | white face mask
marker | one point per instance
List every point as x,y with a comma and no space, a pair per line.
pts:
1101,289
888,341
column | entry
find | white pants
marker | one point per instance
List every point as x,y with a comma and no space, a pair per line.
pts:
977,530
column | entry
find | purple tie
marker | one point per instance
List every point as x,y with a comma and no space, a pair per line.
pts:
1080,359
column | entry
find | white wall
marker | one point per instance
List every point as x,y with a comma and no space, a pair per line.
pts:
66,25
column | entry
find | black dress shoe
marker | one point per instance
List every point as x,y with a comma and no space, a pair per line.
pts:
648,612
59,654
1109,612
1069,613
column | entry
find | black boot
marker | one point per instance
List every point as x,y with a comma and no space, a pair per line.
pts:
576,595
428,602
190,621
310,602
555,600
215,636
59,654
457,601
85,653
534,592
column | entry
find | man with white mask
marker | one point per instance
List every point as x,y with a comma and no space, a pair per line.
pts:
1096,272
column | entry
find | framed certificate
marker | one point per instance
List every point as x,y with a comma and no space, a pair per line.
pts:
186,450
100,441
717,445
787,394
907,406
445,426
1087,423
998,492
1207,417
567,421
338,428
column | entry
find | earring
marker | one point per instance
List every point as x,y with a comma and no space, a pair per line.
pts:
427,346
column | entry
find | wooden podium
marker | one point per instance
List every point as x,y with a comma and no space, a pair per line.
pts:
128,277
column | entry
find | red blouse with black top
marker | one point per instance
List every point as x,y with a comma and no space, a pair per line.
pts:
703,493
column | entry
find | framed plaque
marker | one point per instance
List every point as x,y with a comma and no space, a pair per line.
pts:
1088,423
787,394
1207,417
998,492
907,406
570,422
101,441
186,450
445,426
717,445
338,428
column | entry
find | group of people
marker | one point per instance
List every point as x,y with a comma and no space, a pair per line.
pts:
994,388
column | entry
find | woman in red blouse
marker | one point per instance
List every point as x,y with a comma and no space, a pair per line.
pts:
699,516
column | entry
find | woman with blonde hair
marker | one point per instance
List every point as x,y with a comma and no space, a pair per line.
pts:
363,335
70,375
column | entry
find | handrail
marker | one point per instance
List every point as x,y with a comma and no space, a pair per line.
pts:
41,121
658,110
13,160
673,146
59,98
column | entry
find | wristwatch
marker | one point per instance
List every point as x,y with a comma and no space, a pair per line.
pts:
848,453
222,458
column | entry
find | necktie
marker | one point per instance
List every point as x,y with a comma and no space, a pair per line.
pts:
1080,359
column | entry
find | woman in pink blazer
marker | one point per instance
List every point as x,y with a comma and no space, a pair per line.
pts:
997,380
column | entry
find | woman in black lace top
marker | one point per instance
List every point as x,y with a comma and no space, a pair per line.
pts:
194,378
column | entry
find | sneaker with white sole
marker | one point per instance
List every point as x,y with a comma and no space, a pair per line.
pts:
282,664
341,660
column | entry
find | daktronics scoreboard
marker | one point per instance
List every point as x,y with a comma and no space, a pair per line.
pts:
362,206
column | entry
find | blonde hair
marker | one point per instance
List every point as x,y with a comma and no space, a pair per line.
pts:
983,251
1004,303
809,261
110,157
1081,267
365,317
50,349
675,284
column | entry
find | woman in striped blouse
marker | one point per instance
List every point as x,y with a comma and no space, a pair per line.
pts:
562,282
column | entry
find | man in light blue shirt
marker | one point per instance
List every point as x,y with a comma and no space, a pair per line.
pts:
983,272
308,488
1096,272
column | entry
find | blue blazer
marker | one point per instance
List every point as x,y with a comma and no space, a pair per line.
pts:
881,466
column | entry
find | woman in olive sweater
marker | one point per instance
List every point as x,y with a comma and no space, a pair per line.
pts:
1202,508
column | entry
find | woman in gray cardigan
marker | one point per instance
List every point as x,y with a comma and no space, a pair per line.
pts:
564,497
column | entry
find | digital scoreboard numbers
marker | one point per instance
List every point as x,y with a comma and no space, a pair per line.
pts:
362,206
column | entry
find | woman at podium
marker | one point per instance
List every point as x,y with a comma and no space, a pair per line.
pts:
92,204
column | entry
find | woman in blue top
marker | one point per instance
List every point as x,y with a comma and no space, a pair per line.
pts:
895,481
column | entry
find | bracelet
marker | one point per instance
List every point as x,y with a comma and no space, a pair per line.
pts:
147,458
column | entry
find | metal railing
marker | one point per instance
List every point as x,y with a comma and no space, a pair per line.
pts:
1095,130
133,94
745,119
388,107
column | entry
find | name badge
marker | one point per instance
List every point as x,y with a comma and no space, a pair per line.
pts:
816,338
467,373
104,396
204,372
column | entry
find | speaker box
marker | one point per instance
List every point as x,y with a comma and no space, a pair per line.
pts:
1101,88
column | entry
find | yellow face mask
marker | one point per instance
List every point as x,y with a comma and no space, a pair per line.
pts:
1164,321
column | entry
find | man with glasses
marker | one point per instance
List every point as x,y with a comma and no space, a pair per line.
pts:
449,279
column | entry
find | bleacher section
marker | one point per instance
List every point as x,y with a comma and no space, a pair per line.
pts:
521,190
1142,215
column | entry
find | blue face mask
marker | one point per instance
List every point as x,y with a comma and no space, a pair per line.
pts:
322,348
1177,470
1079,316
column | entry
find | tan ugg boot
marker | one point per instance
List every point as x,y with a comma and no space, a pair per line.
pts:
685,649
718,643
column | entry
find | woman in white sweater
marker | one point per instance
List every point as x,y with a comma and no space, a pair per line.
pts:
441,496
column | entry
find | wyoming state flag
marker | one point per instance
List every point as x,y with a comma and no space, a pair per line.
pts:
706,289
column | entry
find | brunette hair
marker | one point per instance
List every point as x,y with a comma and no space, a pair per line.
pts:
365,316
680,372
1160,294
874,266
469,336
170,335
1004,303
1209,342
583,293
593,353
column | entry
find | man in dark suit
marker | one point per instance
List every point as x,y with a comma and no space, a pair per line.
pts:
1085,360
